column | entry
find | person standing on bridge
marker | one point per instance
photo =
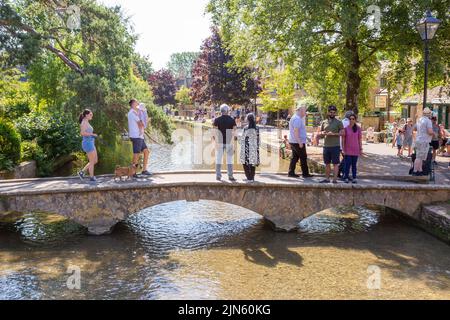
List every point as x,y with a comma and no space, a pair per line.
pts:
297,141
88,144
249,141
136,127
351,148
332,129
225,132
424,128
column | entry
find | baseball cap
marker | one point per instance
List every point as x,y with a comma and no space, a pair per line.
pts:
332,108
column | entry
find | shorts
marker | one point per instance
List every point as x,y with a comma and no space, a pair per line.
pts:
407,142
138,145
88,145
435,144
422,150
331,155
399,146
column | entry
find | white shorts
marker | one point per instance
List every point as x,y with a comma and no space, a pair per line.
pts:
422,150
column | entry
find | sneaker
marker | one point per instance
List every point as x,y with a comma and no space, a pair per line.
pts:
307,175
324,181
218,178
146,173
93,179
293,175
334,181
81,175
346,181
231,178
354,181
135,176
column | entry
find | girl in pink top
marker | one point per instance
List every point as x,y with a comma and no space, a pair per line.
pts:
352,148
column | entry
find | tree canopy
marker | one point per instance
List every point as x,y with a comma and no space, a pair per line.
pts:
334,45
216,81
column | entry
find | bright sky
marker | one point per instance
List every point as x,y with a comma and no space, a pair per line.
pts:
166,26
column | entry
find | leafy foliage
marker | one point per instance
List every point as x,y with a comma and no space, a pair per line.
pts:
181,64
162,84
9,145
334,45
216,81
183,96
278,92
56,133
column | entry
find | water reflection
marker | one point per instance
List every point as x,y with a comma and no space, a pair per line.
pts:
208,250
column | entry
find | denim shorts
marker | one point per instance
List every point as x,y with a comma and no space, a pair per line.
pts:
331,155
88,145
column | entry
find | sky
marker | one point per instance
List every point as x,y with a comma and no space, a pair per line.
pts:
166,26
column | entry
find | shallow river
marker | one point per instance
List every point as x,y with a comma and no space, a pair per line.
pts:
212,250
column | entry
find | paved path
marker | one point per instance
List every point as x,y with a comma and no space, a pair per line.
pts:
107,182
378,159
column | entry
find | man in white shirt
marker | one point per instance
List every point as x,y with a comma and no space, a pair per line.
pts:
297,140
424,129
136,128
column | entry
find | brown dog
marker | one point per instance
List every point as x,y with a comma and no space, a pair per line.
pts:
124,171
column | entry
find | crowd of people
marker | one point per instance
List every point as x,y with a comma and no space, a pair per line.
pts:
342,145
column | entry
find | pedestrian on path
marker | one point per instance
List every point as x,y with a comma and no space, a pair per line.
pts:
408,136
223,137
424,129
436,137
297,141
352,148
88,144
250,141
332,129
399,137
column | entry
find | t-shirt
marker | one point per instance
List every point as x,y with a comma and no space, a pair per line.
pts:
352,146
297,123
225,124
331,125
422,130
133,127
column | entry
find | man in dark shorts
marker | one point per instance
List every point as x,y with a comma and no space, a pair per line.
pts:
332,129
136,129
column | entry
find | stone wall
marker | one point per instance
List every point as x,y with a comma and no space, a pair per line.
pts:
99,209
25,170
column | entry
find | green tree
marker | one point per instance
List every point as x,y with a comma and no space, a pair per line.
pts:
142,66
181,64
318,35
9,145
278,91
183,96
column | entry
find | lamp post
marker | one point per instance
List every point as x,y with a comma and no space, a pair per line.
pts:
427,28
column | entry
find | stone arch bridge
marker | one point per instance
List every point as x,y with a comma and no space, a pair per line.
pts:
281,200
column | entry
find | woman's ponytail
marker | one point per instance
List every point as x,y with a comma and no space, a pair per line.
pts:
84,114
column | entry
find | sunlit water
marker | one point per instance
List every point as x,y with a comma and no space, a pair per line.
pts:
213,250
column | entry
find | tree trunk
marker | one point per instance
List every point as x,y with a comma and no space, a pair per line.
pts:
353,78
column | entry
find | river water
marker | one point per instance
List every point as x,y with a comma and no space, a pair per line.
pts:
213,250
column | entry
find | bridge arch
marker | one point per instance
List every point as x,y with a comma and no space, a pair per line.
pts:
283,204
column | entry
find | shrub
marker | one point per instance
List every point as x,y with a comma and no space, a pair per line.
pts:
56,134
9,145
29,150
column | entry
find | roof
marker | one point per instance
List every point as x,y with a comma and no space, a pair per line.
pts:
436,95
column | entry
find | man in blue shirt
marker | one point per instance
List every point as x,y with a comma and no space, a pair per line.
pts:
297,140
